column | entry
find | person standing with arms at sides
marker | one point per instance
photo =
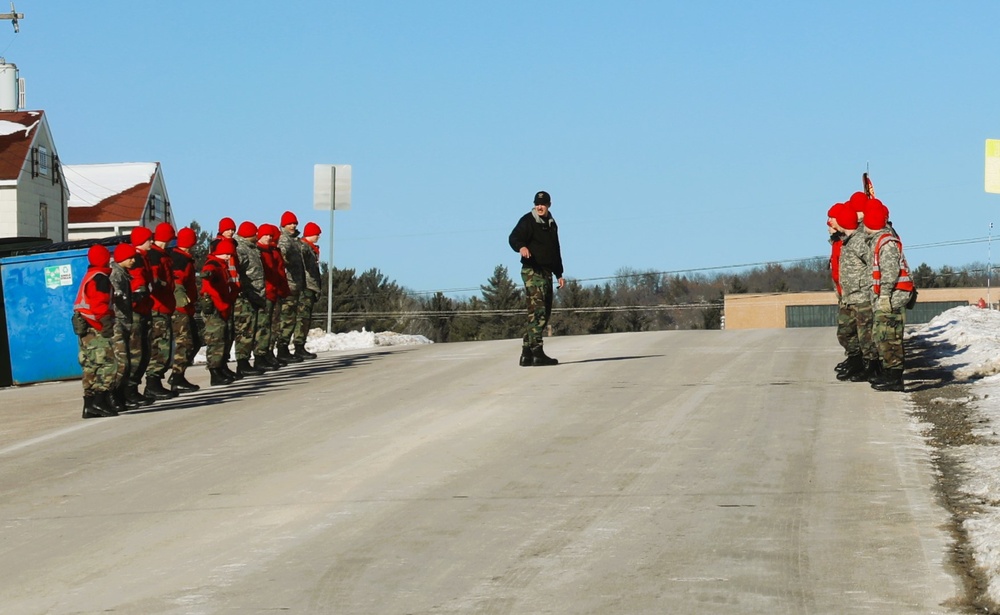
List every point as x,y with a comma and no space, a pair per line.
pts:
855,284
536,239
295,273
263,357
227,230
94,323
217,296
310,260
142,307
250,301
121,286
186,341
892,289
161,330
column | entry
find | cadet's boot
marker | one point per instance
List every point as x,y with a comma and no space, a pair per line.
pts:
300,351
867,371
539,358
842,365
877,373
284,355
117,398
266,362
134,398
279,360
219,377
102,404
230,373
179,382
526,358
244,368
88,407
856,365
892,381
155,390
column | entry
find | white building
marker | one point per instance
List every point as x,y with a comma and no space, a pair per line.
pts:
33,193
113,199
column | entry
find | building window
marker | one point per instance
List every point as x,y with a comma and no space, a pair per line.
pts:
43,220
43,161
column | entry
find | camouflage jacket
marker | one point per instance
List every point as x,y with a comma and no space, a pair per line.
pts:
310,258
855,269
295,268
890,262
121,298
251,270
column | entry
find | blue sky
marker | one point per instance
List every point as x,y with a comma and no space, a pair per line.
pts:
671,135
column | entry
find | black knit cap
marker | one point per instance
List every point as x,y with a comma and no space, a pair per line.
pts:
543,198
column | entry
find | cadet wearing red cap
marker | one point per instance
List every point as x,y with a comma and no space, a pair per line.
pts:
250,301
227,230
161,330
121,285
93,322
275,289
217,295
892,289
186,342
291,252
855,282
142,307
310,261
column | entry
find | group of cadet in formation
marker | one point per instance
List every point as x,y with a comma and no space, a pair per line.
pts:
136,305
874,289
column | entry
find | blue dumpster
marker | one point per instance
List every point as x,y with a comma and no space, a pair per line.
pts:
38,295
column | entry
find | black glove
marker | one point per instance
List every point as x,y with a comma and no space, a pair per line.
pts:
207,305
107,326
79,324
257,301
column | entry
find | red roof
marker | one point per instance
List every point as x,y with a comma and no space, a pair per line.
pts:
126,206
15,146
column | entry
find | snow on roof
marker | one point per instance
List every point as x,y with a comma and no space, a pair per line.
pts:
8,127
89,184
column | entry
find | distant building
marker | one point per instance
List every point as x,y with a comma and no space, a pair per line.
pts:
113,199
33,193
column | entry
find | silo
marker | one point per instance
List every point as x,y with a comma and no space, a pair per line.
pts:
11,96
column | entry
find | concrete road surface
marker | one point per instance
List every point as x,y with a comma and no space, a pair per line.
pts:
692,472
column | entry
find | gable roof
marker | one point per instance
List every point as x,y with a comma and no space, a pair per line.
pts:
109,192
17,131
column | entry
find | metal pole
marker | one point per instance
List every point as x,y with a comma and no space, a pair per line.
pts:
329,275
989,266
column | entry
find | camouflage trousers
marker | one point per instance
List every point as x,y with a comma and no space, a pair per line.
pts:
289,318
215,340
119,344
97,358
303,317
887,332
538,291
245,317
186,343
264,338
854,330
138,348
161,344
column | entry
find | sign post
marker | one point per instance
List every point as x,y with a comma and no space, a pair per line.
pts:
331,190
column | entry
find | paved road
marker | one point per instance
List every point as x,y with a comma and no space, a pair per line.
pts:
674,472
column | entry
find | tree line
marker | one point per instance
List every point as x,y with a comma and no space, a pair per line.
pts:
630,300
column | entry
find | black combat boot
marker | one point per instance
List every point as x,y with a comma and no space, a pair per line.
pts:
877,373
277,358
244,368
539,358
526,358
300,351
133,398
88,407
102,404
179,382
855,366
284,355
117,397
839,367
155,390
219,377
867,371
266,362
230,373
891,381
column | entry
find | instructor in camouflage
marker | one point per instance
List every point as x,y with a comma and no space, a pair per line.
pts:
854,322
536,239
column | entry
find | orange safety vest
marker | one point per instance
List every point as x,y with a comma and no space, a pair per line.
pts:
83,306
904,282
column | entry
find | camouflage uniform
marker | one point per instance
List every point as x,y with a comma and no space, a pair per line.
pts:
186,338
310,260
97,358
161,331
246,310
854,320
889,318
291,251
121,284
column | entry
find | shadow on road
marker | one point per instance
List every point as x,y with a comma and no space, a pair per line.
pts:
602,359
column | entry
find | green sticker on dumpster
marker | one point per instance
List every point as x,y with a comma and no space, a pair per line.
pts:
58,275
